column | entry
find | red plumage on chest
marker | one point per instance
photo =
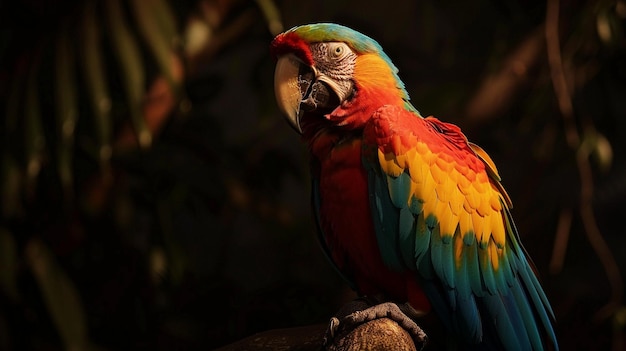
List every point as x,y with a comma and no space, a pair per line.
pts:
347,227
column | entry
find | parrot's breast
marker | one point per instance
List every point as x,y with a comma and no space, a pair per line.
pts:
345,220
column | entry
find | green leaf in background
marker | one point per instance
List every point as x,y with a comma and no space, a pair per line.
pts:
11,174
59,294
127,51
159,38
34,139
272,16
97,86
67,108
9,265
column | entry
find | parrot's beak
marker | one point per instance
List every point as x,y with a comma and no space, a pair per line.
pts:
301,89
287,88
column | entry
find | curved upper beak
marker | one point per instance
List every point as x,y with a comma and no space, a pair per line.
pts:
287,83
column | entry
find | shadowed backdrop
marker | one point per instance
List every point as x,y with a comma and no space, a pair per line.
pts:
153,197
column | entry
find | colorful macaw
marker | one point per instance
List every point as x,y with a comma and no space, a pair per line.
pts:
405,206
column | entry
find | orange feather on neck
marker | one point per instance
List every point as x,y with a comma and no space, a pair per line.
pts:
375,87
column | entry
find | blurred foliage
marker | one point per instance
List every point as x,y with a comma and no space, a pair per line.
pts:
153,197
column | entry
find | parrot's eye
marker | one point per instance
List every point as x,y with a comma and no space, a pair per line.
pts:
337,50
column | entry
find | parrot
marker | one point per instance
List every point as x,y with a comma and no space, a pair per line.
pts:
405,206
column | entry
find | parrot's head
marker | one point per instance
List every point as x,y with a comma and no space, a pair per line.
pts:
331,75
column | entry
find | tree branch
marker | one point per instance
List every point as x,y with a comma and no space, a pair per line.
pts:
377,335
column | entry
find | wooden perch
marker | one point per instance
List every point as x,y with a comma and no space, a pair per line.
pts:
380,334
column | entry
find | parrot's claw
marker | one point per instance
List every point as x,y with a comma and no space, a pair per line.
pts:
331,331
398,314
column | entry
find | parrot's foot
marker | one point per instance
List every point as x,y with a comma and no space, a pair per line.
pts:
364,312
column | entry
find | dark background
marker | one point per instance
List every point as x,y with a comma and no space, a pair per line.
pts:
154,198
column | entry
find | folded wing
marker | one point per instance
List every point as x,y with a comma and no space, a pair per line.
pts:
439,209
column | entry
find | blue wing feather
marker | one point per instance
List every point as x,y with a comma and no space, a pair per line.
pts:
462,277
436,248
407,236
422,240
416,206
386,220
473,269
533,287
471,323
487,270
399,189
526,314
448,262
499,314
